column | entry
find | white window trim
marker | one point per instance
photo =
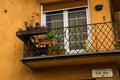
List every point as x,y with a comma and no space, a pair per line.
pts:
89,22
88,12
65,19
43,16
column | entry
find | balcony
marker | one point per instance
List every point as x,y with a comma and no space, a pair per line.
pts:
73,45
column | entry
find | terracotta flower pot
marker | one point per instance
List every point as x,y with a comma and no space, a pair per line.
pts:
52,52
55,52
46,42
62,51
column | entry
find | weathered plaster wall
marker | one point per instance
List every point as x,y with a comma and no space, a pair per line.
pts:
78,72
100,16
11,48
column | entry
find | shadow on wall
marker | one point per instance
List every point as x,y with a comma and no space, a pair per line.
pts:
64,72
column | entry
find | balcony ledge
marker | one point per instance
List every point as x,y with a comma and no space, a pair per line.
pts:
72,59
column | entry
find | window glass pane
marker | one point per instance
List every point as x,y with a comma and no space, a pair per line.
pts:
77,30
54,21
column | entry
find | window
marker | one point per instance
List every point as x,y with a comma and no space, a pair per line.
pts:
78,34
71,27
55,21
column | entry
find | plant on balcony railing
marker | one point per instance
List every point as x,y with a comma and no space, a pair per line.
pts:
20,29
86,46
47,39
57,49
117,42
31,24
37,26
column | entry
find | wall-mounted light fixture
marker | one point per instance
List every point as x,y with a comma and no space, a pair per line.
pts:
99,7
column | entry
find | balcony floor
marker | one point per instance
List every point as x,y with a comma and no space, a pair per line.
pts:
72,59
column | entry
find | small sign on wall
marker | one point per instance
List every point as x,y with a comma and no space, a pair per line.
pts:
100,73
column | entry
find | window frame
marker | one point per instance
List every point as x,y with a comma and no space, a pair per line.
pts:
65,22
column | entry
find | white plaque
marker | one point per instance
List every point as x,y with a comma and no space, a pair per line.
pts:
98,73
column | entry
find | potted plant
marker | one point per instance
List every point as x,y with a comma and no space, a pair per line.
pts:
47,39
28,26
20,29
117,42
61,49
52,50
117,45
37,25
57,49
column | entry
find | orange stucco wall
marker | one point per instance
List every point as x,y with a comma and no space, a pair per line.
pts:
79,72
103,15
13,13
100,16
